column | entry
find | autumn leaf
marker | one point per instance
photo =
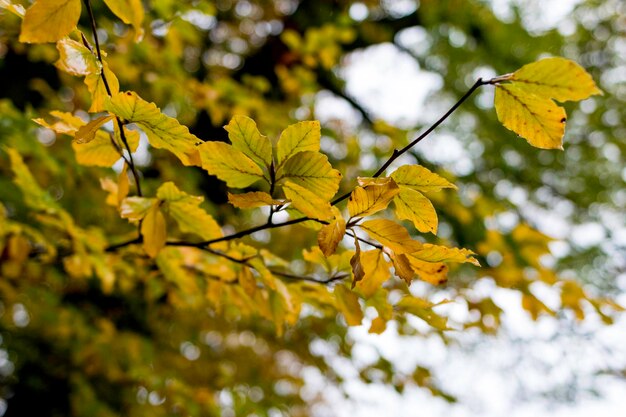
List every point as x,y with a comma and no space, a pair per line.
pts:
229,164
299,137
130,12
365,201
162,131
525,103
435,273
153,231
348,304
136,208
557,78
375,272
391,235
414,206
424,310
331,234
253,199
88,132
75,58
49,20
420,179
537,119
245,136
312,171
185,210
96,86
436,253
308,202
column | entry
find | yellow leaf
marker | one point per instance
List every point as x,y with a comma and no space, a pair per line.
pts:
414,206
130,12
245,136
102,150
153,231
163,131
253,199
331,234
185,210
16,9
95,85
355,263
308,202
376,272
436,253
299,137
123,185
136,208
87,132
420,179
229,164
435,273
247,281
391,235
402,267
365,201
348,304
424,310
557,78
537,119
49,20
312,171
75,58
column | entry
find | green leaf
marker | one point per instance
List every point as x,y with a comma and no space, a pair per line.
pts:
34,196
162,131
414,206
245,136
420,179
49,20
229,164
299,137
312,171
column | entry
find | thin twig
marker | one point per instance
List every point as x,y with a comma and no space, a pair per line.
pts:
396,153
120,125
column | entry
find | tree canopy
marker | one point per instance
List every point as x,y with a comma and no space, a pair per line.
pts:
179,234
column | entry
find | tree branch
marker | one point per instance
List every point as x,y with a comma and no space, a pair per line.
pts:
120,125
396,153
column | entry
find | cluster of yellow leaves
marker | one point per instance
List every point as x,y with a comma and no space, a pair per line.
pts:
51,20
525,103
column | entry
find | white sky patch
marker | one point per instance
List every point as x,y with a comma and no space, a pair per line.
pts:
389,84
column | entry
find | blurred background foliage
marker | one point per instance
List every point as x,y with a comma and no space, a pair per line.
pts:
547,225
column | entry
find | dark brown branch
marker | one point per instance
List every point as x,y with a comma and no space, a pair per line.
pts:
120,125
396,153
